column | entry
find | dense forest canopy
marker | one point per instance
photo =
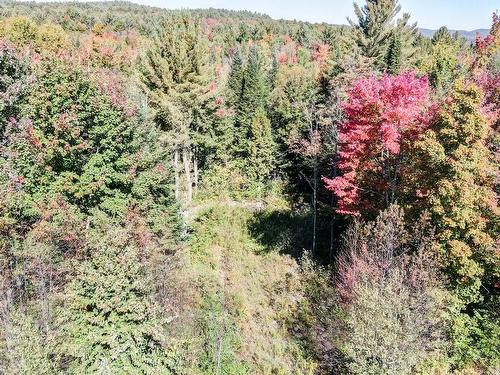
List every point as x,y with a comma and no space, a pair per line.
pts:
217,192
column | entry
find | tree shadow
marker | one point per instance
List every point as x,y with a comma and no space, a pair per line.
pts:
282,231
291,231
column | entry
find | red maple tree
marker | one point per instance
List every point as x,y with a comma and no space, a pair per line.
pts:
383,115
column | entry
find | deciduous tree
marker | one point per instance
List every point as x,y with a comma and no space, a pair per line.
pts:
383,117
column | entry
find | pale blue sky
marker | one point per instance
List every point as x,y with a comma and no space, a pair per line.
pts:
456,14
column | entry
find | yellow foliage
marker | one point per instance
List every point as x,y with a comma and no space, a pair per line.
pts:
51,37
18,30
23,32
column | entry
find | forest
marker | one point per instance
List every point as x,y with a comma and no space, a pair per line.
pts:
208,191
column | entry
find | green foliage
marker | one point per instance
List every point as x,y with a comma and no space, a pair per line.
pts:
172,72
248,89
248,86
76,149
221,339
375,27
442,35
316,319
25,350
114,114
475,339
246,297
261,147
14,77
295,90
110,324
75,141
394,56
459,195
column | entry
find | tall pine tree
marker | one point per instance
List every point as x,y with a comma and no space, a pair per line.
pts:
247,91
375,27
174,75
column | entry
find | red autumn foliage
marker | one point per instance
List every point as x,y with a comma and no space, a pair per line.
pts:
208,25
320,52
109,49
212,87
482,44
220,113
382,117
113,85
32,137
287,53
489,79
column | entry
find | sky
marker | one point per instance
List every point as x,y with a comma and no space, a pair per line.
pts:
431,14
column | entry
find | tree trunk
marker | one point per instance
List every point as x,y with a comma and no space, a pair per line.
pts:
315,205
394,180
176,172
195,171
187,171
330,249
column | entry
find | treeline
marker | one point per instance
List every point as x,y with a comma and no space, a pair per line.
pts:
217,192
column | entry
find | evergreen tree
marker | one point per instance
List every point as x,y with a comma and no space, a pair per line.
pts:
393,57
253,91
261,147
174,75
273,72
235,79
375,26
442,35
110,323
247,92
373,29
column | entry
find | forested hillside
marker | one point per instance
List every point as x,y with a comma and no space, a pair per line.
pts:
217,192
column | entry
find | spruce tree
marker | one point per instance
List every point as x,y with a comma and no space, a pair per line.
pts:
253,93
235,79
247,93
393,58
373,30
441,35
261,150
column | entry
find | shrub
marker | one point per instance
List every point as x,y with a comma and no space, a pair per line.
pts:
391,320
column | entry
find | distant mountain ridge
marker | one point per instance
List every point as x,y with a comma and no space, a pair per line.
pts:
469,35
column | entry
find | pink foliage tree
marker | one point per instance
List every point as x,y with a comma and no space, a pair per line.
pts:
383,116
485,75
